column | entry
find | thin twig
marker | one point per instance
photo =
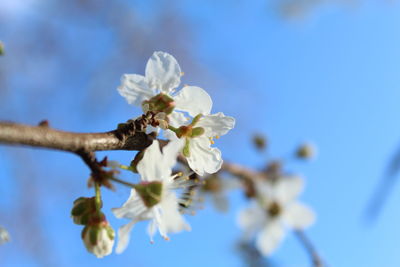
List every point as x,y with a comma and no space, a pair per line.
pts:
307,244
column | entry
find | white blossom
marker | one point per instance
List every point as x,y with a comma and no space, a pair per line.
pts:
201,157
163,75
275,210
154,199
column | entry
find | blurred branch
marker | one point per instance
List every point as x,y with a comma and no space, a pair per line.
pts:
384,188
305,241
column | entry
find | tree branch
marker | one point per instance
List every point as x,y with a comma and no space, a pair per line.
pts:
129,136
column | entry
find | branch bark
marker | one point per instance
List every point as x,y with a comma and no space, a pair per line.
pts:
128,136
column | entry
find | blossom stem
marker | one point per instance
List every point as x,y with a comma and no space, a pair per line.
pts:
172,128
97,196
125,167
122,182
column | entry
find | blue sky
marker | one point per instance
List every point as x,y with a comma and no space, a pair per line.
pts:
331,78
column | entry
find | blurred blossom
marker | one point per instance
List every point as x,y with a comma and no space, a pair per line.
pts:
274,209
217,188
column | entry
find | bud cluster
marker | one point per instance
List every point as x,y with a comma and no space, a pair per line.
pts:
97,235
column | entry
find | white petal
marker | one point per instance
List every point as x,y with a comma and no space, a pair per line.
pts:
204,158
216,124
270,238
170,135
124,233
170,153
133,208
152,166
177,119
173,219
288,188
135,89
163,72
298,216
251,219
193,100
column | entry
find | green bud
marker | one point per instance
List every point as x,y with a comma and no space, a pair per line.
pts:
260,142
306,151
1,49
150,193
84,210
198,131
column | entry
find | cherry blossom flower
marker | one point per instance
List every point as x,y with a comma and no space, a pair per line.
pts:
198,137
156,90
274,210
154,198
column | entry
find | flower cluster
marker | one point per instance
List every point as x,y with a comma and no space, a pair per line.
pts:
274,208
187,111
185,116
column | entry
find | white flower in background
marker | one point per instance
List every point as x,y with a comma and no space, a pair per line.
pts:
156,90
154,199
4,236
274,210
198,136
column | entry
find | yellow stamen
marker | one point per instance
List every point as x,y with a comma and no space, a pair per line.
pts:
211,140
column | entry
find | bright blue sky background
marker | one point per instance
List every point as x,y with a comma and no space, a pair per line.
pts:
332,78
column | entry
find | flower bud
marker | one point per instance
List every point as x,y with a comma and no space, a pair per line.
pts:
260,142
98,238
1,49
83,209
306,151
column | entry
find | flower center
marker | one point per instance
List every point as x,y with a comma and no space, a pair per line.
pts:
274,209
159,103
150,193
